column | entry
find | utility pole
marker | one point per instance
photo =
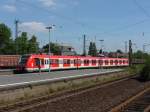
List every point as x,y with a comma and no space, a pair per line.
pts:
144,48
101,45
49,52
16,28
130,53
84,45
95,40
16,34
126,47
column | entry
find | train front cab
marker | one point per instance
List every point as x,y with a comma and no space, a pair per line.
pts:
22,65
29,63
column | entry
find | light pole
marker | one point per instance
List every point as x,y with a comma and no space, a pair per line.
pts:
101,43
84,45
16,34
49,52
101,61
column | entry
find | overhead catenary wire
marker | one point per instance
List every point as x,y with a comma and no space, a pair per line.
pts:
133,24
141,8
125,27
23,2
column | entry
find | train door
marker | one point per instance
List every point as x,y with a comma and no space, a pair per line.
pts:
46,64
66,63
61,63
37,64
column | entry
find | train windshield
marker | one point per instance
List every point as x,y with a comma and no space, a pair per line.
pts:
24,59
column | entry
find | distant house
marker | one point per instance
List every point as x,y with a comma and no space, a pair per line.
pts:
117,55
67,50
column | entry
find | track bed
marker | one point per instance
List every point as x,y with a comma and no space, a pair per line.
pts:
140,104
99,98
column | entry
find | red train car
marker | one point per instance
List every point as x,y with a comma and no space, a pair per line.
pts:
32,63
9,61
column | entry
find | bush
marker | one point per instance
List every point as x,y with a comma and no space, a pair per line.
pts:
135,69
145,73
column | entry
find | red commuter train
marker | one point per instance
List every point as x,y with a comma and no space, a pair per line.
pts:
36,62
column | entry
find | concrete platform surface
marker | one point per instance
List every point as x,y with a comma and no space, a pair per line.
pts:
16,79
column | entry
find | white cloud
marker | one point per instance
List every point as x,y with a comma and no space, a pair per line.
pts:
33,27
48,3
10,8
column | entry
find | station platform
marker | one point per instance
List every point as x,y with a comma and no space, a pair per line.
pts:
29,78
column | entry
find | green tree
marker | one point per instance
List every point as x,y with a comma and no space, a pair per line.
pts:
140,55
22,43
54,48
92,49
9,48
33,46
119,51
5,39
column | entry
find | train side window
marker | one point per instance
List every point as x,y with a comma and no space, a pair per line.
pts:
123,61
120,61
106,62
75,61
66,61
93,61
100,62
86,61
116,61
54,61
57,61
111,62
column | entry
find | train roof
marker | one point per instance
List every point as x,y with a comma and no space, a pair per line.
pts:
59,56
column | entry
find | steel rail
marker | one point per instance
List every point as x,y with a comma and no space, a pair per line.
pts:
122,106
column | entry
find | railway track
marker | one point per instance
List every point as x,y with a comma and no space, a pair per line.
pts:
37,104
138,103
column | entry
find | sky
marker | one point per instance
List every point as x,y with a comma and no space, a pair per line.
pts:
114,21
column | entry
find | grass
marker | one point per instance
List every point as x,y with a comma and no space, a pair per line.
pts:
135,69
